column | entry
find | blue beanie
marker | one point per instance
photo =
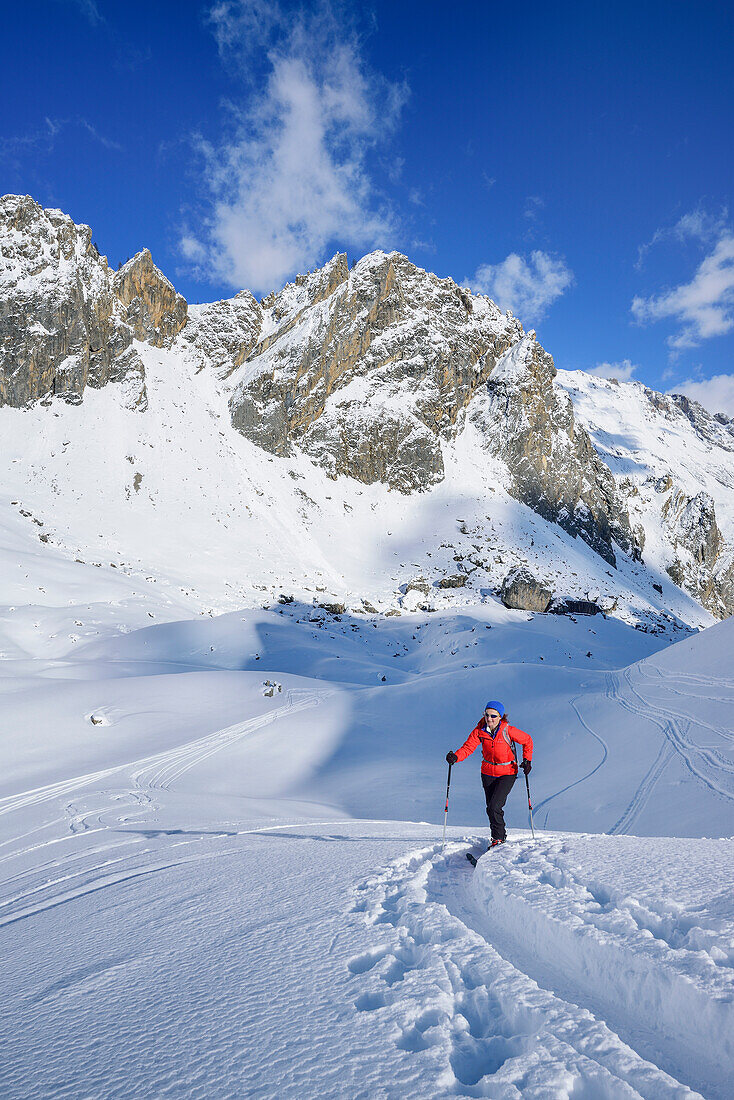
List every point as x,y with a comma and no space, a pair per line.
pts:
494,705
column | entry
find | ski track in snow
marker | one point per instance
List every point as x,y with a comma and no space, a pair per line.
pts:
707,764
161,769
69,875
456,978
588,775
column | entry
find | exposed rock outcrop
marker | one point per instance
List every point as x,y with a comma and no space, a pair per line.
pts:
60,329
554,468
384,373
521,590
368,370
454,580
701,563
222,334
153,309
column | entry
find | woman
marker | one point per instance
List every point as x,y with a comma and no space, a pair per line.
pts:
499,762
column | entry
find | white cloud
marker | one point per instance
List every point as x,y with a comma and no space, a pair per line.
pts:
293,175
701,225
697,225
533,206
107,142
704,307
526,286
89,9
622,370
715,394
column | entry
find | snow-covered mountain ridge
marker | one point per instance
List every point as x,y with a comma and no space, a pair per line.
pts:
375,437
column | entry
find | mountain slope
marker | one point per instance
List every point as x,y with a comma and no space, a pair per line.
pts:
675,465
262,447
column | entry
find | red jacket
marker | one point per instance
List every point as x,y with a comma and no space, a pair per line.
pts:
497,755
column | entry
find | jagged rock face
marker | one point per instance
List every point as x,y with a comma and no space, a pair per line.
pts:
552,462
522,591
701,563
222,334
399,451
373,372
153,309
367,370
664,449
60,329
718,429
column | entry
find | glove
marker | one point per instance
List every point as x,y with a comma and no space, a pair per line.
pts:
526,766
451,758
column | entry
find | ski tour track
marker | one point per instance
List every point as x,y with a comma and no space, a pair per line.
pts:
475,968
109,809
706,764
481,967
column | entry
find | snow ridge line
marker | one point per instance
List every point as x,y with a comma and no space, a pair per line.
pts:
484,1027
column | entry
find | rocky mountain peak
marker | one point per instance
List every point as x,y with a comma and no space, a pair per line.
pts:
60,325
369,377
220,335
153,309
384,374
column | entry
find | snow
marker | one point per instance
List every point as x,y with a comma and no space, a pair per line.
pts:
231,882
642,436
192,507
512,366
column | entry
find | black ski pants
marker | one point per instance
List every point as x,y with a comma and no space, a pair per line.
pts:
496,790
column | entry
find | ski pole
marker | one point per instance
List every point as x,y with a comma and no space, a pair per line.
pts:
530,805
446,811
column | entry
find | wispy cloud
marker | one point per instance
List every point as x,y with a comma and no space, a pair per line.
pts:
701,225
108,143
533,206
701,308
622,371
293,175
89,10
42,140
715,394
527,286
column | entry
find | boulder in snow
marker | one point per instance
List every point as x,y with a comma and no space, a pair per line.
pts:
522,591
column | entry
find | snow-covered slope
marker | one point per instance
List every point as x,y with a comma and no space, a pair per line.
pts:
245,449
207,824
177,497
675,463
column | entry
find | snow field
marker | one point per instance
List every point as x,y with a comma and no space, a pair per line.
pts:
658,973
196,518
455,979
212,882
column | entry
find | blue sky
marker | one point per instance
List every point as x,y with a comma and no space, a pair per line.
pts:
573,160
